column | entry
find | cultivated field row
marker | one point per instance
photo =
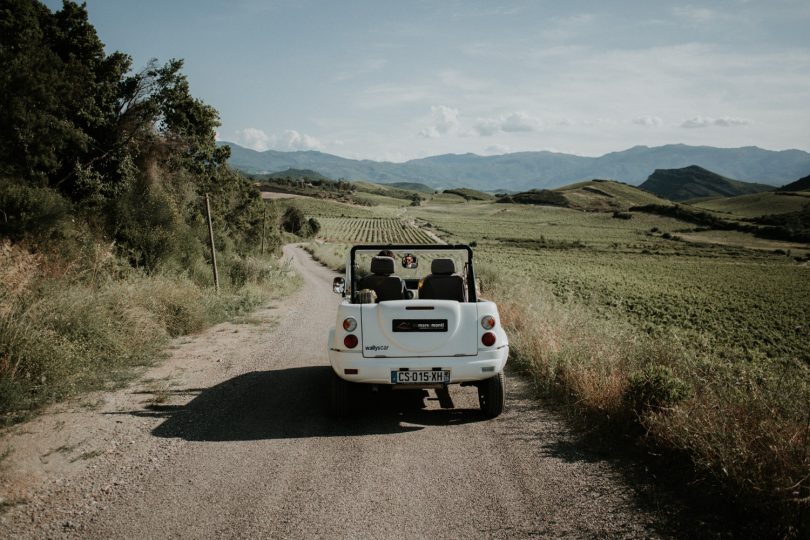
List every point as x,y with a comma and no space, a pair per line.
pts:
371,230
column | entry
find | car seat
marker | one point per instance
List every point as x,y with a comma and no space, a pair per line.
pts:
381,280
443,283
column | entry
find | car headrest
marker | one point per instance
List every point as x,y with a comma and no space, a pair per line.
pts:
442,266
382,266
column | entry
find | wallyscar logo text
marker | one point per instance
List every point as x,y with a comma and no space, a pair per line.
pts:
376,347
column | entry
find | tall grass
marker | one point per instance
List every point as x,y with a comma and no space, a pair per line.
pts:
331,255
67,327
746,423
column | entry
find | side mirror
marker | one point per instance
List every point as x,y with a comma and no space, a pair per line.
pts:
339,285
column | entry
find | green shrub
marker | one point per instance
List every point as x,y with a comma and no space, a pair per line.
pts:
654,387
26,209
145,225
292,220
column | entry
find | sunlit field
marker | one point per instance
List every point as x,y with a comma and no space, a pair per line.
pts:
700,337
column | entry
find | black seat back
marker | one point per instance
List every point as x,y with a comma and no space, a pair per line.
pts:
387,286
443,283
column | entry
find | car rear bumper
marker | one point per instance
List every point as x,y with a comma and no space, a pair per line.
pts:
484,365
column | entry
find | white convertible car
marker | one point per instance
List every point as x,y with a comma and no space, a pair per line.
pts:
411,318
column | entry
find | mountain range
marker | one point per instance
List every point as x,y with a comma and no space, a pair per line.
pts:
532,170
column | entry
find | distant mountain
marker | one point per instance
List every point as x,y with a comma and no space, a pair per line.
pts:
532,170
695,182
802,184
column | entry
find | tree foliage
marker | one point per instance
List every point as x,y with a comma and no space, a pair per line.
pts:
129,149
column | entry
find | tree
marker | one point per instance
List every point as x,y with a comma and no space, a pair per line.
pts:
292,220
81,122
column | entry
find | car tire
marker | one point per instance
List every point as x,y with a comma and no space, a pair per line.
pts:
492,395
339,396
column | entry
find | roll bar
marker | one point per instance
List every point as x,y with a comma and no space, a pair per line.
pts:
471,296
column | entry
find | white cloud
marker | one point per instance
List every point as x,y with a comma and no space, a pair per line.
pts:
292,140
648,121
254,138
519,121
510,123
706,121
487,128
730,122
443,120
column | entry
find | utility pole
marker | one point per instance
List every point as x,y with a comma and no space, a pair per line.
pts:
211,236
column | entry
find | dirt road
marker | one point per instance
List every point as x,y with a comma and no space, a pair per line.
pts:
230,438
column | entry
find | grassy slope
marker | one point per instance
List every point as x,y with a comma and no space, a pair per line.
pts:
607,195
802,184
471,194
70,326
609,314
757,204
411,186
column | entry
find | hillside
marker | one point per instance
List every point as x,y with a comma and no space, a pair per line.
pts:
412,186
606,196
542,197
802,184
695,182
757,204
531,170
471,194
295,174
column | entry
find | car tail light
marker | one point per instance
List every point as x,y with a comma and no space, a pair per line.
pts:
350,341
488,322
488,339
349,324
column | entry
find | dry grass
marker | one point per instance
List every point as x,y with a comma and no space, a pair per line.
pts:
70,326
747,424
330,255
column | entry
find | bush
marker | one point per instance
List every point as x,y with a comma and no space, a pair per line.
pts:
310,228
654,387
292,220
145,225
26,209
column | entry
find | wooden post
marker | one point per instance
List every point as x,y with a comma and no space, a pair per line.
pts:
211,235
264,223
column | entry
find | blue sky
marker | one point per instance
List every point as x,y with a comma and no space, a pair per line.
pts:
404,79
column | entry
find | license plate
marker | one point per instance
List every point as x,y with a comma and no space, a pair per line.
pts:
419,325
420,377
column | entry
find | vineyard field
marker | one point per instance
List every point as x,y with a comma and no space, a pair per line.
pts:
371,231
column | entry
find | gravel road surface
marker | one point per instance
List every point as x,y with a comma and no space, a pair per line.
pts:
230,438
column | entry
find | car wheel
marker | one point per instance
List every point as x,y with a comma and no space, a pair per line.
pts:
340,393
492,396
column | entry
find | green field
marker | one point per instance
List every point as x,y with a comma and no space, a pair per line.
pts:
757,204
700,336
371,231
